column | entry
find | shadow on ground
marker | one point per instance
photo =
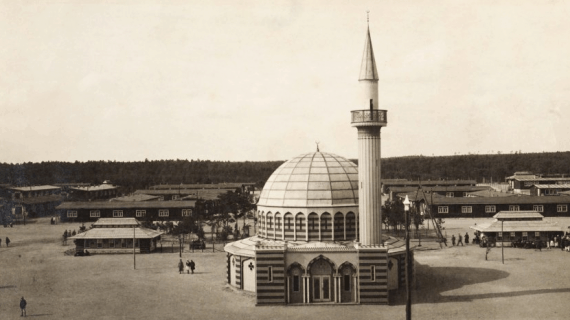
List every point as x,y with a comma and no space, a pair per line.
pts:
434,281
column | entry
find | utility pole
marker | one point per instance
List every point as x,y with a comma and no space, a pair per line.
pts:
408,282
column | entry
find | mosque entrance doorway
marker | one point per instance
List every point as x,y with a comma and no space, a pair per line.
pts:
321,274
321,288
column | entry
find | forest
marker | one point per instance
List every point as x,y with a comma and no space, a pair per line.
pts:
143,174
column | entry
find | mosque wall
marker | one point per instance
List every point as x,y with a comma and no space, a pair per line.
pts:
270,276
373,275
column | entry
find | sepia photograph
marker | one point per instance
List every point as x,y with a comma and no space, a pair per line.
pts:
248,159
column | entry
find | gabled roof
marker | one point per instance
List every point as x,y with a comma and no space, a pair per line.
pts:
230,185
518,226
166,192
94,188
34,188
492,193
136,197
42,199
126,205
501,200
116,222
426,183
553,186
117,233
438,189
540,179
517,215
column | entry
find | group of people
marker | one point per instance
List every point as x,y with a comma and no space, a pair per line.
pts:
559,242
7,242
460,239
187,267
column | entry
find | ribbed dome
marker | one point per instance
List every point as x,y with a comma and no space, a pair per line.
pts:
315,179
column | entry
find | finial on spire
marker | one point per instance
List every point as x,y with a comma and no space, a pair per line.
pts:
317,142
367,17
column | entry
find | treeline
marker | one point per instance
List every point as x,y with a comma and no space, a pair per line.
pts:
142,174
138,174
482,168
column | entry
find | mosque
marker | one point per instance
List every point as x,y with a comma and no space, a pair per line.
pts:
319,238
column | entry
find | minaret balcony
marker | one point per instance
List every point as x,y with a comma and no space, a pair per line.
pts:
369,118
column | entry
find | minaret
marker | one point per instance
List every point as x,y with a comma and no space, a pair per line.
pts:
368,122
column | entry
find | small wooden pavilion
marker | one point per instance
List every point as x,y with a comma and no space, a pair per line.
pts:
116,235
510,226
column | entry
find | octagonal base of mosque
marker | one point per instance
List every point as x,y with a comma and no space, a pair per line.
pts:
315,272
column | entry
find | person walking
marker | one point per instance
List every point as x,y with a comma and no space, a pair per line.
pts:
7,241
459,239
192,266
466,238
180,267
23,304
452,239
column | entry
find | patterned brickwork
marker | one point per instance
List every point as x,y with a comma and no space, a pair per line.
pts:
373,291
270,287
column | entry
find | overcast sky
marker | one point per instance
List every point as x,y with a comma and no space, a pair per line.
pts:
263,80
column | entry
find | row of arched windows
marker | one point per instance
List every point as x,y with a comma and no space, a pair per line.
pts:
323,227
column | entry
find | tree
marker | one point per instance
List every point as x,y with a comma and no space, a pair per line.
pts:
394,213
416,216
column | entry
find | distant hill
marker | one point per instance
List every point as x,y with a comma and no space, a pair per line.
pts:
142,174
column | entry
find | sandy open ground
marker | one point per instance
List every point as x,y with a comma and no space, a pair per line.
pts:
453,283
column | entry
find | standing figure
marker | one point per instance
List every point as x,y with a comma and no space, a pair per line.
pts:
487,252
192,265
0,242
547,244
539,245
7,241
459,239
23,304
466,238
452,239
180,267
187,267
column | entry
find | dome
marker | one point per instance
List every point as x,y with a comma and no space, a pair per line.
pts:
315,179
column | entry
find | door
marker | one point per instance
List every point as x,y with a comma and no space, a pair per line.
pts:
321,288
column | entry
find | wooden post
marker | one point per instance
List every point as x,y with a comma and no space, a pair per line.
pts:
502,243
134,255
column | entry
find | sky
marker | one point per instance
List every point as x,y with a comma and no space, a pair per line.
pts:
265,80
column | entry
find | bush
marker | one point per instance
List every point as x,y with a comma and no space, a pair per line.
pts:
224,235
200,233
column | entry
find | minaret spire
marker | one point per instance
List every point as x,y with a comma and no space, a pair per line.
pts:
368,66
